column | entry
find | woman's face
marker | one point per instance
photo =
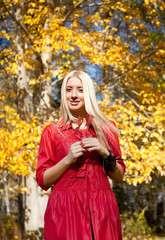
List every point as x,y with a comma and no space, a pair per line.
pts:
75,96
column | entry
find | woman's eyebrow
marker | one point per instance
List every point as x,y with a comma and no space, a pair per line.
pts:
72,86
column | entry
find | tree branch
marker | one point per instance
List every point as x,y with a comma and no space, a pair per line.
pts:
130,69
58,80
77,5
97,4
135,103
24,30
17,22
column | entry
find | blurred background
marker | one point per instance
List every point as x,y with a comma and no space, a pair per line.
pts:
121,45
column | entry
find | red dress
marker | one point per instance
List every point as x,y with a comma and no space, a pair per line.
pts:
82,200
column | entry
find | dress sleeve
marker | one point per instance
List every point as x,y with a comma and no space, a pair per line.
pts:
114,145
46,156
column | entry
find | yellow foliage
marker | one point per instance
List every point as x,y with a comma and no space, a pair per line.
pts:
68,41
18,143
141,137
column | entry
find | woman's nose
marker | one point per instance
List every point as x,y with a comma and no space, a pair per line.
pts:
74,93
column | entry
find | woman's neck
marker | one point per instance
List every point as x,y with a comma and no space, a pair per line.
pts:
81,122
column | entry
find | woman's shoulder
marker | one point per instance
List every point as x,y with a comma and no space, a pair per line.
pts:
56,128
109,127
112,122
50,128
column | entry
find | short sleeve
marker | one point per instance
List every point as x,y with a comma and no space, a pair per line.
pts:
113,141
46,156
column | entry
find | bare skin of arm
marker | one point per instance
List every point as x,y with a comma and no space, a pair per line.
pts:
117,175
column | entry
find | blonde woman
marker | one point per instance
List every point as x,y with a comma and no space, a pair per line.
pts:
76,156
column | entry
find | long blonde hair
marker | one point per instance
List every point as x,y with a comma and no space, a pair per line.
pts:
99,122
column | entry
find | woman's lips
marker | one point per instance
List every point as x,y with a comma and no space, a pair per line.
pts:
74,103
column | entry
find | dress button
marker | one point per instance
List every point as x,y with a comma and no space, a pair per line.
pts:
98,183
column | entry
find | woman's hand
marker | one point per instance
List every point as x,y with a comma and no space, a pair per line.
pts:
93,144
52,175
76,150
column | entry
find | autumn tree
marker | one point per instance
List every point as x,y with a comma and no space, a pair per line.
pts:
120,43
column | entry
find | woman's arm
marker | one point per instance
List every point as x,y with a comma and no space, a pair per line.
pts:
92,144
48,169
52,174
117,174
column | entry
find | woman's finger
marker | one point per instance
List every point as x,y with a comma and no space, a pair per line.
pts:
91,143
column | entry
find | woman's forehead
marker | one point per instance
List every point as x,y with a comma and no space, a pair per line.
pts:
74,81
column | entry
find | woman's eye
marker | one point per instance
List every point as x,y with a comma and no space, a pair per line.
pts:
80,90
68,89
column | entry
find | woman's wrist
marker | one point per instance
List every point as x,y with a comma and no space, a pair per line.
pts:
109,163
68,160
105,154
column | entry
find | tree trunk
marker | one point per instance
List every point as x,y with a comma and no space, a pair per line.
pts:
36,201
36,99
22,92
6,194
131,198
46,86
22,86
